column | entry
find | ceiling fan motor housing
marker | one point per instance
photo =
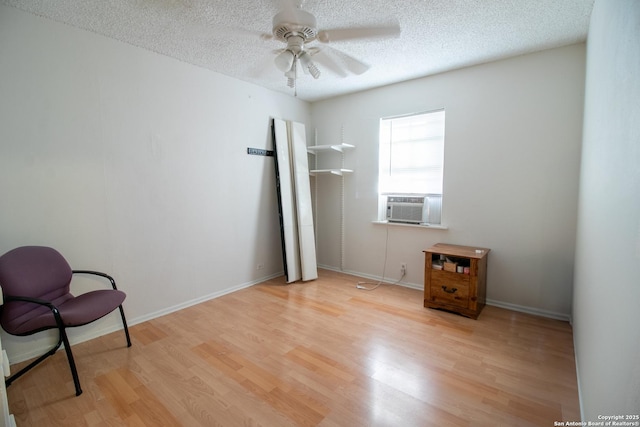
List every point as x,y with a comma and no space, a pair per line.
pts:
294,23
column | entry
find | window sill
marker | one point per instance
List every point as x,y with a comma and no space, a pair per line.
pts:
402,224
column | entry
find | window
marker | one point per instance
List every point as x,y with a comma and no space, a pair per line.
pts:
412,159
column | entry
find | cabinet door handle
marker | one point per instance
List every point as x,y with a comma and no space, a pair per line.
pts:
449,291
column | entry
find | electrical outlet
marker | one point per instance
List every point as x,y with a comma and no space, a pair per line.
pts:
403,268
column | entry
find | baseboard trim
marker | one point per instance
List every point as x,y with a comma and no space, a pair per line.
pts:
92,333
214,295
530,310
116,326
575,352
506,305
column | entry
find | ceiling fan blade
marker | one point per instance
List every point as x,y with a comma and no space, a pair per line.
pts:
326,61
264,67
260,70
243,32
341,34
351,64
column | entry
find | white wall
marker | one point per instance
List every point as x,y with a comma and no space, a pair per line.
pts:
135,164
607,282
512,151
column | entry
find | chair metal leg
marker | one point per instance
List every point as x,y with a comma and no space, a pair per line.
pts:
62,339
33,364
124,323
72,363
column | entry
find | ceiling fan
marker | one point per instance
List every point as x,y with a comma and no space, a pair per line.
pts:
298,29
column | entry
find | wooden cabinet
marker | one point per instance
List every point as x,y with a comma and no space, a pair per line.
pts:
455,278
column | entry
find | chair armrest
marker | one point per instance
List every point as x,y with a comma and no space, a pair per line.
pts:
97,273
30,299
49,305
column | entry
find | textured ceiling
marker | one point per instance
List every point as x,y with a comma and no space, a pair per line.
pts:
224,36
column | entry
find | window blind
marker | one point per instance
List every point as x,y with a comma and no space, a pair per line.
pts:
412,154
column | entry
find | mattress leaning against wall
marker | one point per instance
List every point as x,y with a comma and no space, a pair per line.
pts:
294,201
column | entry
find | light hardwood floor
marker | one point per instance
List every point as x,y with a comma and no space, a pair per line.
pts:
316,353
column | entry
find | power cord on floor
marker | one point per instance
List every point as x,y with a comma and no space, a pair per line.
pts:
360,285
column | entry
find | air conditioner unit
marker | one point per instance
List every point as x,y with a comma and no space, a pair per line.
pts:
415,209
409,209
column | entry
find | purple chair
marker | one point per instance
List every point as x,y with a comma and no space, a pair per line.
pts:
35,285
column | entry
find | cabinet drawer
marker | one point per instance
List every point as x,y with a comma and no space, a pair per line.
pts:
449,278
450,288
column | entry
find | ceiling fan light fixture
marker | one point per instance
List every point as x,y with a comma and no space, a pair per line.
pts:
308,64
298,29
292,75
284,61
293,72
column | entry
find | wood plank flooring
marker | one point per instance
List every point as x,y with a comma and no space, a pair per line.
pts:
320,353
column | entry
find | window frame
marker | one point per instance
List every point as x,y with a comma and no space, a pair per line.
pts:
383,194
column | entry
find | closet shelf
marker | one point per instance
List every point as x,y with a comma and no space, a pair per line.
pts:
339,172
336,147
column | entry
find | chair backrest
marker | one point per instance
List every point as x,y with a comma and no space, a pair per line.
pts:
36,272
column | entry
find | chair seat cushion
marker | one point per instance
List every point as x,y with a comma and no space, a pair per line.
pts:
74,311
